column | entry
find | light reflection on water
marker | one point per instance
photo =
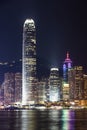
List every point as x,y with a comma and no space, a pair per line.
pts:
48,120
29,120
68,119
43,120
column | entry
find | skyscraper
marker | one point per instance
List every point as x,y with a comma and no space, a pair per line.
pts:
42,90
76,83
78,88
66,66
29,63
54,84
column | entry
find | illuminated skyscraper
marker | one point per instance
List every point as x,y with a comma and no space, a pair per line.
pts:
78,88
42,90
76,83
71,80
66,66
29,63
54,84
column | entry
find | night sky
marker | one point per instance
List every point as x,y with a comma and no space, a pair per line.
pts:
61,26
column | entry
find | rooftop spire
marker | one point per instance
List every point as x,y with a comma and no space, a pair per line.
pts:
67,58
67,55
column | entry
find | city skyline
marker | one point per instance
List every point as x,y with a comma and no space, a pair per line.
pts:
53,88
43,66
60,27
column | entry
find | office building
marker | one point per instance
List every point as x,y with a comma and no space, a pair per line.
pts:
42,91
78,92
76,83
9,88
66,66
29,87
71,81
65,84
54,85
85,86
18,88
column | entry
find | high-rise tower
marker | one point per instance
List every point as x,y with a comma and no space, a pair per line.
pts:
29,63
66,66
54,83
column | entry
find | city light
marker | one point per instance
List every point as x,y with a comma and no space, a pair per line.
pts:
27,89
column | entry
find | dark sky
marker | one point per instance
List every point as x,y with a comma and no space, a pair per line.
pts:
61,26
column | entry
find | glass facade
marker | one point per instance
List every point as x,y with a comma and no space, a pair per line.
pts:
54,84
29,63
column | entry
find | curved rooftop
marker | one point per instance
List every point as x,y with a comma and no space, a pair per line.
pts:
54,69
27,21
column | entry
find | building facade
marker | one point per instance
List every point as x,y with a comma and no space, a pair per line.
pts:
65,84
85,86
54,85
42,97
66,66
78,91
71,80
76,83
9,88
18,88
29,90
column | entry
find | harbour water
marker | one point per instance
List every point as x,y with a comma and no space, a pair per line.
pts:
44,120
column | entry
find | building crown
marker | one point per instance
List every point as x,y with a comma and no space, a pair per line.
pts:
67,58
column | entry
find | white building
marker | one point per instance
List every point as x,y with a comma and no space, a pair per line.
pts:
29,90
54,84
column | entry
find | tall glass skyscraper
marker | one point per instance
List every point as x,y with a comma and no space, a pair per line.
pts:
54,83
29,63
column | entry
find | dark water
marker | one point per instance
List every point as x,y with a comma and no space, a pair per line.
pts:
43,120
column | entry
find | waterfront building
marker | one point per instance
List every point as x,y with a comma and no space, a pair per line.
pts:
12,66
54,85
9,88
71,80
78,91
29,87
18,88
2,94
83,101
66,66
47,89
42,91
76,83
85,86
65,90
3,69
